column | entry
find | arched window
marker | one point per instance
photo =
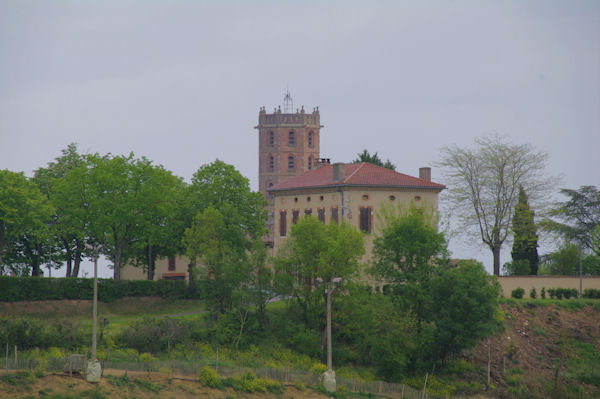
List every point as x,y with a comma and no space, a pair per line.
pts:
291,163
310,139
309,162
292,139
271,162
271,139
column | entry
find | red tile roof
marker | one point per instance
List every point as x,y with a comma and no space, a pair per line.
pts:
356,174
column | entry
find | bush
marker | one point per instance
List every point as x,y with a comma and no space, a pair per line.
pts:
543,293
517,293
532,293
591,293
210,378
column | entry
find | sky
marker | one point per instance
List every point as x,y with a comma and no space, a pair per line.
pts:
181,82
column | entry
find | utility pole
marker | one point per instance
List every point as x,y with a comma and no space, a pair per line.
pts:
94,369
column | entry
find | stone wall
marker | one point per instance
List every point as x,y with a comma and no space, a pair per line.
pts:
509,283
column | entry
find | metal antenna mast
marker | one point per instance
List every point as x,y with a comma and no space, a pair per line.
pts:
288,103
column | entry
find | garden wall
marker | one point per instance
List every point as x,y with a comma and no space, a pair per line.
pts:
509,283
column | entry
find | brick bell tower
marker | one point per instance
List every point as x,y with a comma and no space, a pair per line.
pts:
288,145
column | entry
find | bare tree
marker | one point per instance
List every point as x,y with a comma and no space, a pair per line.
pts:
484,186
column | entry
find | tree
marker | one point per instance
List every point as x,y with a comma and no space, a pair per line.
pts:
365,156
464,308
316,251
579,217
65,229
484,184
525,234
225,236
116,200
23,210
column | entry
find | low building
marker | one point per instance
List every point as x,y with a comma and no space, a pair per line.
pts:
352,192
171,268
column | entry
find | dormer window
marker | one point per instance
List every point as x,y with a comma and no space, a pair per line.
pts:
292,139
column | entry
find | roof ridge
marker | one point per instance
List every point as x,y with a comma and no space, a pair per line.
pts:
353,173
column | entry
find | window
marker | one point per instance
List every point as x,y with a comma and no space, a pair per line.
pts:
310,139
308,212
309,163
271,162
307,199
365,197
392,197
282,223
171,263
292,139
271,139
295,216
334,215
321,214
417,198
365,219
290,163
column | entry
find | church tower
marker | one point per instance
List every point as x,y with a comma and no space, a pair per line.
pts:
288,145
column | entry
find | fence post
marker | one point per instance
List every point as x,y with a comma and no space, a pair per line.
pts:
7,357
16,359
425,386
217,361
402,394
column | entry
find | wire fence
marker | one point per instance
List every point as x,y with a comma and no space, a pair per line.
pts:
192,369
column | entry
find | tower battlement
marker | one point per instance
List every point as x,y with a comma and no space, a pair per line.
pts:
299,119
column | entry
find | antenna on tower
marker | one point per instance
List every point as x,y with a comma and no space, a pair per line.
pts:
288,103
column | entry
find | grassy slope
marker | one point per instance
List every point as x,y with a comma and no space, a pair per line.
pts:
548,347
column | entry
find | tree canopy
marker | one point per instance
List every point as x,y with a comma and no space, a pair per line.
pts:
525,240
578,218
484,184
365,156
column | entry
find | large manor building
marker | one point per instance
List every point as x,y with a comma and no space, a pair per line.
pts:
296,182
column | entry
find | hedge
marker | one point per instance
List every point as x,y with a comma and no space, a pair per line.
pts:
42,288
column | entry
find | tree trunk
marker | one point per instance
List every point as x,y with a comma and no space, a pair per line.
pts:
496,252
117,263
77,257
150,263
68,256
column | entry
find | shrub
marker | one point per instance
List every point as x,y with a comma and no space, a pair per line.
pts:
551,292
532,293
210,378
543,293
517,293
591,293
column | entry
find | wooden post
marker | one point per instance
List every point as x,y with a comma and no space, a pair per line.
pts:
217,361
7,358
402,394
425,385
16,359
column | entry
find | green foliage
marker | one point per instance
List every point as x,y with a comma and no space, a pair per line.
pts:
29,333
24,213
532,293
579,217
563,262
591,293
525,234
155,335
209,378
560,293
518,267
543,293
365,156
39,289
517,293
249,382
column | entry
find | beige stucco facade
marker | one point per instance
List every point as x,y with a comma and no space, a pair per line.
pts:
348,202
509,283
174,268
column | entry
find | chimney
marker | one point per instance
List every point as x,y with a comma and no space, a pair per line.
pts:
338,171
425,173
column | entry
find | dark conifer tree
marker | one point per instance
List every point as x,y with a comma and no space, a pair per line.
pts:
525,233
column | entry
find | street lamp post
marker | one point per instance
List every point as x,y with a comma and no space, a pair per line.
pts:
329,376
94,369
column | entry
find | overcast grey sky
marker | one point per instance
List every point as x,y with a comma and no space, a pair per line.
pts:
181,82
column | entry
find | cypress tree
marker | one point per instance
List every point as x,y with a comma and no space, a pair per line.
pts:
525,233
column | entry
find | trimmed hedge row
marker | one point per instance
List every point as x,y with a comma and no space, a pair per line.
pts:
557,293
42,288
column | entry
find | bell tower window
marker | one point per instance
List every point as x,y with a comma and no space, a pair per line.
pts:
271,162
291,163
309,163
271,139
310,139
292,139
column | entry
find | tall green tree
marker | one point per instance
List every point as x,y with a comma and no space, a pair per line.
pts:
65,230
117,200
365,156
484,184
313,256
525,234
224,238
23,210
578,219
